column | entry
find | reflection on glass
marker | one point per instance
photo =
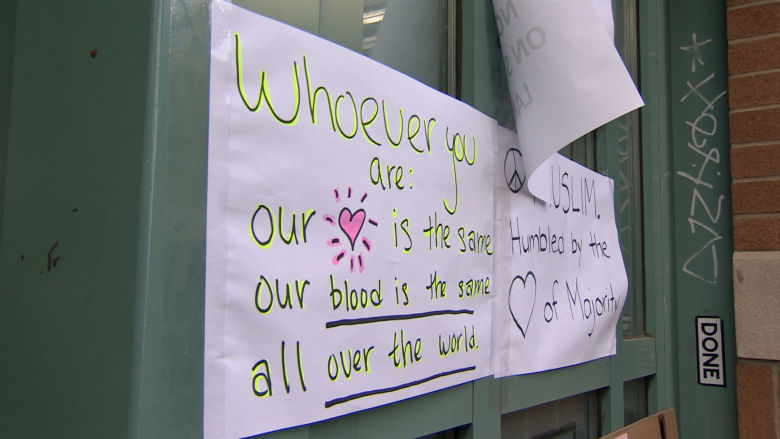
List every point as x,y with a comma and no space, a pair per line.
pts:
410,36
447,434
503,110
407,36
582,150
626,170
628,210
373,14
634,400
574,417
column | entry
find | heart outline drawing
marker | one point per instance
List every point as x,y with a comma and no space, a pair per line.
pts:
351,224
523,331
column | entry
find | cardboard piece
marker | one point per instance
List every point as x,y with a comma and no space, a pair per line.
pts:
662,425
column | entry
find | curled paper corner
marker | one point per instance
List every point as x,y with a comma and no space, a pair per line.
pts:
565,76
538,181
518,173
604,10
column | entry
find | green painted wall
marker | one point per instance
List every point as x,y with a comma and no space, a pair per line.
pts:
70,219
167,363
7,38
703,240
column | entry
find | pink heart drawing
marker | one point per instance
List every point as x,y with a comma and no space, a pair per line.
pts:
352,223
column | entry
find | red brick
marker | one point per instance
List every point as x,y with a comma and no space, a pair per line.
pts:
755,161
755,125
756,234
753,20
752,56
755,401
749,91
739,2
755,196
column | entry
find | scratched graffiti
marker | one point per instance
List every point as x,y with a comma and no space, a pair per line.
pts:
705,212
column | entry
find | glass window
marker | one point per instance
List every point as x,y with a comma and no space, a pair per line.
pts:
634,400
417,38
624,165
574,417
409,36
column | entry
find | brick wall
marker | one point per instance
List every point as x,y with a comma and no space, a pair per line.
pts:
754,124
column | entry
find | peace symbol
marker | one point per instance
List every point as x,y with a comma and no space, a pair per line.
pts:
513,168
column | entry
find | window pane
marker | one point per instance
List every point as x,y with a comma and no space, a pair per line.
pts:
624,167
574,417
582,150
634,400
410,36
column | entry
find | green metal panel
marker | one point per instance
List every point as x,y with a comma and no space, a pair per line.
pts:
704,246
415,417
486,421
7,38
167,399
657,194
641,353
525,391
70,217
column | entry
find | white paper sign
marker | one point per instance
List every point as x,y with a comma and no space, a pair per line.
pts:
604,10
349,237
565,76
559,268
709,349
